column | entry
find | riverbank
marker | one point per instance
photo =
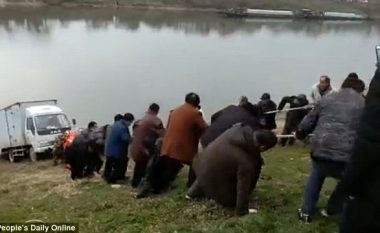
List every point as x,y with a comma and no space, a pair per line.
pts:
44,192
372,9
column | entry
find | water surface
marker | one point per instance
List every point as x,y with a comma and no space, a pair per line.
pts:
98,62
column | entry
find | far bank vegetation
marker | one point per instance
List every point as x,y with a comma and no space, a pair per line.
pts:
370,8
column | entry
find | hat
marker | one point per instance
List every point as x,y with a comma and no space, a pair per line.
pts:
265,96
302,97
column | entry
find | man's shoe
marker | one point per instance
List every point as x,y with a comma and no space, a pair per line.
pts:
144,191
324,213
253,211
142,194
303,216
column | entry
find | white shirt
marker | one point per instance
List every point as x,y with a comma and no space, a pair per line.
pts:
316,94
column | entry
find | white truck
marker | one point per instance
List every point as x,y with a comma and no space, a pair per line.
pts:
31,128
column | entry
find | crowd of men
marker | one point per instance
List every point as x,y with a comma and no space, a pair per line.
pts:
345,145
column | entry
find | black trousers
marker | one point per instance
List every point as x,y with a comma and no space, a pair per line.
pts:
139,172
113,170
165,172
293,119
160,174
257,173
93,163
124,166
191,177
76,157
288,129
360,216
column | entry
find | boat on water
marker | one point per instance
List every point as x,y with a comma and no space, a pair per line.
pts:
297,14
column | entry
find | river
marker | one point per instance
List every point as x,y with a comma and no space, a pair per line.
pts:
98,62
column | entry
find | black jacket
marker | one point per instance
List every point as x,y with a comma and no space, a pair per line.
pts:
293,118
225,119
362,178
293,101
267,120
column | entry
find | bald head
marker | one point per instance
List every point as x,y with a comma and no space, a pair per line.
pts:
324,83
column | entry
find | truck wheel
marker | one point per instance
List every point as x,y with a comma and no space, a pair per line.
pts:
12,158
32,155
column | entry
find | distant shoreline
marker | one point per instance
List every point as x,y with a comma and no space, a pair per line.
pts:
372,10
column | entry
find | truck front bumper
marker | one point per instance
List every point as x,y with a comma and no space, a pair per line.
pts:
45,149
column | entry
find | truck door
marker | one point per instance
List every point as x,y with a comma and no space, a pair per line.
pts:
30,130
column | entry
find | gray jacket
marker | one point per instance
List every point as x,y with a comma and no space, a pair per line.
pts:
334,120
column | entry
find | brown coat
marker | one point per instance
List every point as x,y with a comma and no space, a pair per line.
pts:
185,127
228,169
146,130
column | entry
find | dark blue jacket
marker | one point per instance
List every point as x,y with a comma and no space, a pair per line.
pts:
118,141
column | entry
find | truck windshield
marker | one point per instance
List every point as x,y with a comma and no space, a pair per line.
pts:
51,124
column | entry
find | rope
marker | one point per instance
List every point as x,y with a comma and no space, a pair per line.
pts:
290,109
290,135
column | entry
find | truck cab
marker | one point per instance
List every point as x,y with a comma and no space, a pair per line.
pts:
43,125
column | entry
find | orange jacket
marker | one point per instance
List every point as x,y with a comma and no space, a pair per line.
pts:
184,129
68,139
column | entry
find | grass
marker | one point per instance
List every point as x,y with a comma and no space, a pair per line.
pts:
41,191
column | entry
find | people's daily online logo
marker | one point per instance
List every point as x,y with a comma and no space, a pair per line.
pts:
39,227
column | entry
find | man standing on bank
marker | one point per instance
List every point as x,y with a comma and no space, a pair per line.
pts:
180,144
185,127
117,150
293,118
361,182
267,105
321,89
334,122
145,133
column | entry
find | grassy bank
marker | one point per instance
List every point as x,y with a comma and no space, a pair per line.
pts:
41,191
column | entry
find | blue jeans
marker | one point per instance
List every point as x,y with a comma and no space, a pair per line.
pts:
321,170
